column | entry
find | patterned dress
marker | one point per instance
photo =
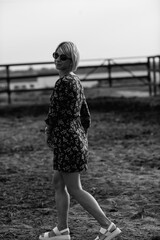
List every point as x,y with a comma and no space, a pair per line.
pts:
69,118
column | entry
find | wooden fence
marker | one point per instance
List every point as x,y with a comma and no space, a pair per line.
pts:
149,65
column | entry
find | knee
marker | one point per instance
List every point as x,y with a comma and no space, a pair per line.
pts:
58,182
73,191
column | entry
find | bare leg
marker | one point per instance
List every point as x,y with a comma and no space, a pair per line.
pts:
85,199
62,199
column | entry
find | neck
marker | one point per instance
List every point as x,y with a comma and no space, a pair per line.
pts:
63,73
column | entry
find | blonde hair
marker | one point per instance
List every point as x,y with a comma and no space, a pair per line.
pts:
71,51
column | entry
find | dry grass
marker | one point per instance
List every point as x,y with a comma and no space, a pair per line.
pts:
123,175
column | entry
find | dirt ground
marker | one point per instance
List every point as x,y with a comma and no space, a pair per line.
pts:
123,174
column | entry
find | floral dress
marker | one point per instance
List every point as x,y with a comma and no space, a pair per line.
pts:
69,118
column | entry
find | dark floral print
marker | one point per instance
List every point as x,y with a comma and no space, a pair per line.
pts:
69,118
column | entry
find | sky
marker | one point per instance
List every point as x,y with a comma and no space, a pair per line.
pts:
30,30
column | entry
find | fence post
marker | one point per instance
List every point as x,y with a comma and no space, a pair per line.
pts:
109,73
8,84
154,77
149,76
159,72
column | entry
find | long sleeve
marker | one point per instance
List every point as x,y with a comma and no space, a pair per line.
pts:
85,115
52,112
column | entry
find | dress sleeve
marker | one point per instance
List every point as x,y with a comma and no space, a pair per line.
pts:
85,115
52,112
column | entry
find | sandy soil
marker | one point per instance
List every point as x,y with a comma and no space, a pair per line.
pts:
123,175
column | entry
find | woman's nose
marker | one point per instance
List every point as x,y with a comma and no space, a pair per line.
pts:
58,59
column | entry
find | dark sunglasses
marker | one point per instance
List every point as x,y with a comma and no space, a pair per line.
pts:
62,57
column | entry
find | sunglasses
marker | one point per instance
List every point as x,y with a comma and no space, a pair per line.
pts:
62,57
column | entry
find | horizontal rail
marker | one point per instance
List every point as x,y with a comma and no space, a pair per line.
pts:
29,76
82,79
26,64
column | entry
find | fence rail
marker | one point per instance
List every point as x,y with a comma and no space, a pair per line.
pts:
150,65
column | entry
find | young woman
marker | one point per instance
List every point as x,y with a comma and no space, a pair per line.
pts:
67,123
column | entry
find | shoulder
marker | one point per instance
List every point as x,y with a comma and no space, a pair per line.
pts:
71,80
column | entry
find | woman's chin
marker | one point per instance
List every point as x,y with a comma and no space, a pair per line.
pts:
58,67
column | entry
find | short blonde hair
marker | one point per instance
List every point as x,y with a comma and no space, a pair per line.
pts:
71,51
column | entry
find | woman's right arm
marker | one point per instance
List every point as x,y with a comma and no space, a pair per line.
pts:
85,116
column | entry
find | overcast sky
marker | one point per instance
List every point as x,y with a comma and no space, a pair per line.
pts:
31,29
